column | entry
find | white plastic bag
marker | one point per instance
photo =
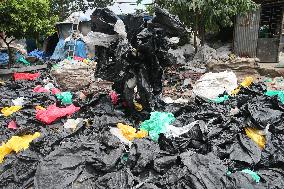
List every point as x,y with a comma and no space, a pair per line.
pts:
72,123
211,85
172,131
19,101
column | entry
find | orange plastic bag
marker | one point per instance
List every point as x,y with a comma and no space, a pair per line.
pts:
256,136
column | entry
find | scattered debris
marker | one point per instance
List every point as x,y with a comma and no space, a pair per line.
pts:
132,121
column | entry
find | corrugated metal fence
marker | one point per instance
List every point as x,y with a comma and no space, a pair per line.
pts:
246,34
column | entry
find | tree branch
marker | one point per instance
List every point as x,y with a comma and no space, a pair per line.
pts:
13,39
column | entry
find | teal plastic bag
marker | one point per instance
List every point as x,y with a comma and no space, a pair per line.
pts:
157,124
220,99
21,59
254,175
65,97
280,94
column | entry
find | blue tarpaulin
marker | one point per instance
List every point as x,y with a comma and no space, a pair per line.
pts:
81,49
59,52
61,49
4,58
36,53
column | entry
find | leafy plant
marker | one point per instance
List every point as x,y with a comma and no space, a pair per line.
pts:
24,19
207,14
63,8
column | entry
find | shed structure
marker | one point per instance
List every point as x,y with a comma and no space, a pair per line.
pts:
259,33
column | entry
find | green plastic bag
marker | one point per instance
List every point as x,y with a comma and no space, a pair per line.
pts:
268,80
157,124
254,175
220,99
280,94
65,97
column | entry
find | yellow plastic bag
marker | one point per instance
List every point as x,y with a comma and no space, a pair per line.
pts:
16,144
256,136
130,133
7,111
246,83
236,91
138,106
39,108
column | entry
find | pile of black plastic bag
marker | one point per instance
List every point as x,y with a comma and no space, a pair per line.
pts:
214,153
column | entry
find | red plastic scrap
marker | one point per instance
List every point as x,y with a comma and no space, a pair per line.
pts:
40,89
26,76
52,113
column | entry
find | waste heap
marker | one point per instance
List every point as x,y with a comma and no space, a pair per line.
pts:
55,138
136,63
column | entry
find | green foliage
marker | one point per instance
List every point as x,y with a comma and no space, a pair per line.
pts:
210,12
25,18
150,9
63,8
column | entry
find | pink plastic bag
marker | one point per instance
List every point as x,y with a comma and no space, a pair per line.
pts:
55,91
12,125
40,89
52,113
26,76
78,58
114,97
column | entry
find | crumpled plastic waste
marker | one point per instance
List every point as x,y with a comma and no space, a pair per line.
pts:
234,111
138,106
65,97
253,174
19,101
211,85
55,91
246,83
39,108
157,124
114,97
116,132
7,111
49,86
78,58
21,59
72,123
12,125
2,82
16,144
26,76
279,94
130,133
173,132
52,113
220,99
36,53
256,136
40,89
169,100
